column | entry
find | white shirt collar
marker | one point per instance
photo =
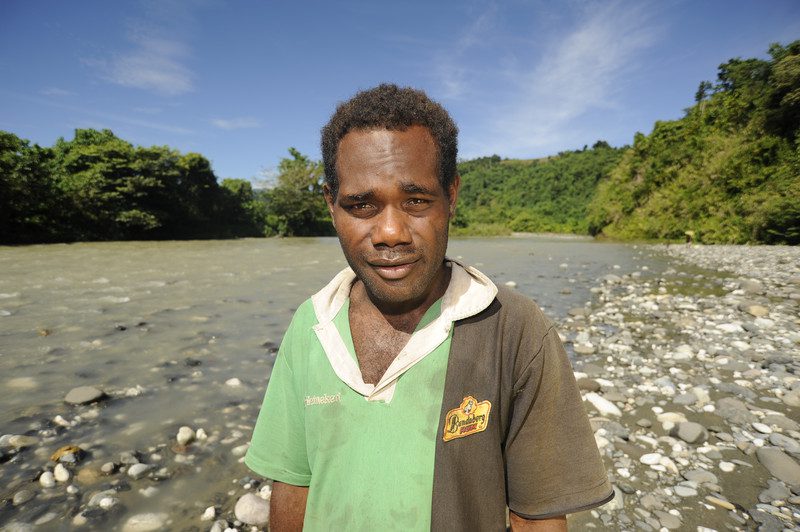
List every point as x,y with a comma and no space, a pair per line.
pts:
468,293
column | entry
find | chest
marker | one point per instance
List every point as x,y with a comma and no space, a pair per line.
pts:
376,344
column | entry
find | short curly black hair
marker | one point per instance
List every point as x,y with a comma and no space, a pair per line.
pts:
388,106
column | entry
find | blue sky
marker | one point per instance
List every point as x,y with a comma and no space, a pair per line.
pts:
241,82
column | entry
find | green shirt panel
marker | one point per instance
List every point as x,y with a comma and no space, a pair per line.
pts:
369,464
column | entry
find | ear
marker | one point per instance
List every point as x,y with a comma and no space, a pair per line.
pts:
455,186
329,201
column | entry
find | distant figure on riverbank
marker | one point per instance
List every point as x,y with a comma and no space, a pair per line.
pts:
411,392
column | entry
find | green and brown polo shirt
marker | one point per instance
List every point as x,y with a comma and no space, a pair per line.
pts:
478,412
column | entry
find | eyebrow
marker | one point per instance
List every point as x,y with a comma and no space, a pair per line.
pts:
360,196
413,188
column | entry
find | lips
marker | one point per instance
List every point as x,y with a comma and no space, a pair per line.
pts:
393,270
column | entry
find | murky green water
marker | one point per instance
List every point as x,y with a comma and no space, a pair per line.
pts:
174,321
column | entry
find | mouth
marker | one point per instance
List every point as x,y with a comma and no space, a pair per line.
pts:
393,270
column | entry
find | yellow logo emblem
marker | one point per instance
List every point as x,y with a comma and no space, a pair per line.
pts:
469,418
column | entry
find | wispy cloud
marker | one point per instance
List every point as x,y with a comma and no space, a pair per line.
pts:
236,123
102,119
452,65
156,52
154,63
559,78
55,91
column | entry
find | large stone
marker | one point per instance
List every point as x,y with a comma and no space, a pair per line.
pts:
602,405
252,509
792,398
583,349
751,286
137,471
777,491
779,464
83,395
690,432
21,441
700,476
758,311
785,442
146,522
735,411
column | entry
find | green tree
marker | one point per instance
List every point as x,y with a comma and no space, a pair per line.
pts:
295,205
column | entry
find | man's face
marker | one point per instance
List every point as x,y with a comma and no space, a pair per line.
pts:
391,213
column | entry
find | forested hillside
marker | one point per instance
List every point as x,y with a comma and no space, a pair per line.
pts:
544,195
729,171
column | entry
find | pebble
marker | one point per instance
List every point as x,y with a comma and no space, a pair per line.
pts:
84,395
209,514
252,509
61,473
762,428
47,480
233,382
108,468
95,499
720,502
727,467
651,458
685,491
185,435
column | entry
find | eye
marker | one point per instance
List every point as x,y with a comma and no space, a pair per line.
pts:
360,209
417,203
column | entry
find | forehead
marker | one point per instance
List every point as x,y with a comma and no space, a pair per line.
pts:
410,154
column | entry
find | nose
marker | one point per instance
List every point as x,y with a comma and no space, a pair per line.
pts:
391,228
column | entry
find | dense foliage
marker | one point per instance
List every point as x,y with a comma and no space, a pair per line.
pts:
544,195
100,187
728,172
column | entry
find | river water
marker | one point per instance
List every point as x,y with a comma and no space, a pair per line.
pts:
164,327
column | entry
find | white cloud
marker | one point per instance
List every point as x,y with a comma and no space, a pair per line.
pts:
557,80
236,123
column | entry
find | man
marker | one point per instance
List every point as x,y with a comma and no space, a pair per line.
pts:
410,393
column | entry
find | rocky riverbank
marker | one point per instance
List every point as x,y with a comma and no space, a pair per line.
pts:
692,379
691,376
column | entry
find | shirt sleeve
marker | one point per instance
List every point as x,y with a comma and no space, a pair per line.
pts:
278,446
553,466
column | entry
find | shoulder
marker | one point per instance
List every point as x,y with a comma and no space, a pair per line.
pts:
302,322
522,310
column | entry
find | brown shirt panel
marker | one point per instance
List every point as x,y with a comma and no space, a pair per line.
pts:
537,455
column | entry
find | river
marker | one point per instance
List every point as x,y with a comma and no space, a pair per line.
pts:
185,333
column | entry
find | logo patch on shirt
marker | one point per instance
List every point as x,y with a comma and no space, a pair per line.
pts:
470,417
323,399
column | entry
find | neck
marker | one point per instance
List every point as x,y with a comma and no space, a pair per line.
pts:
407,315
